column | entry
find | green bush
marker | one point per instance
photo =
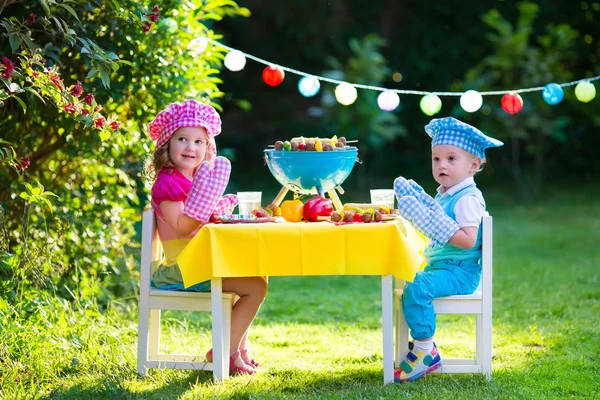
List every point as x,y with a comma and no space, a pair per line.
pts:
80,82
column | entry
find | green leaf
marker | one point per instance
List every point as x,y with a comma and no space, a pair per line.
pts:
31,90
112,56
127,63
45,7
15,43
104,135
93,72
21,103
24,195
70,10
105,79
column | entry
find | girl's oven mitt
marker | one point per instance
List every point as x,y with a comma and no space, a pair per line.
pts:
224,206
207,188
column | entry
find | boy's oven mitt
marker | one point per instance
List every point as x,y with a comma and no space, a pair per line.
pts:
424,212
207,188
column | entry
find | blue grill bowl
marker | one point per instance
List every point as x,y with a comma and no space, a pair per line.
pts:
304,171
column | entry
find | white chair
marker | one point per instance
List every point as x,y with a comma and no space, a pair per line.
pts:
479,303
153,300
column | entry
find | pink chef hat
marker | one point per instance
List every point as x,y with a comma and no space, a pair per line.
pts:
190,113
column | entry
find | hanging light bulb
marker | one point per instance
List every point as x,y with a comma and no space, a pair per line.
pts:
197,46
471,101
273,75
388,100
345,94
309,86
512,103
585,92
235,60
430,104
552,93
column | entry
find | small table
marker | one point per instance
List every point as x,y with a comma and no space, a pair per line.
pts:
301,249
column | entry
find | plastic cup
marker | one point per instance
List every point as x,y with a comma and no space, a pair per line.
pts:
383,197
248,201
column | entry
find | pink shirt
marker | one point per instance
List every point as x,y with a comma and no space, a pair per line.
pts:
170,185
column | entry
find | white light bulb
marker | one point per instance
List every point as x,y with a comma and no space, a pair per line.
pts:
345,94
197,46
471,101
235,60
388,100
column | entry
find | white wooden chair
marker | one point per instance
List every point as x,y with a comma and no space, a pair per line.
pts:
479,303
153,300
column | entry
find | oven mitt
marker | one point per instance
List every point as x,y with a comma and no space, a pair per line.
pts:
224,206
207,188
430,219
404,187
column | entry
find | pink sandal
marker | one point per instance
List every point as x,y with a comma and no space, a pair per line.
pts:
253,363
234,369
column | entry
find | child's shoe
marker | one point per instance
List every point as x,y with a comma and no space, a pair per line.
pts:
251,362
233,369
417,365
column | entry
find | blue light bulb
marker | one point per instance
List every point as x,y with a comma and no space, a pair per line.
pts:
309,86
553,93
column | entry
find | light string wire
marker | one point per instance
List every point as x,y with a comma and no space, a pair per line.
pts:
399,91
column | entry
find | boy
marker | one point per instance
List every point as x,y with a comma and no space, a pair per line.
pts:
452,222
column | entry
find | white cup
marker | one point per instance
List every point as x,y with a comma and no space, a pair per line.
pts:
383,197
248,201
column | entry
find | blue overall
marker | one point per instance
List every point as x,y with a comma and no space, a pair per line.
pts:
449,271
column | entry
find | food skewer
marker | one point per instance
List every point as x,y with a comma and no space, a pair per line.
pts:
347,141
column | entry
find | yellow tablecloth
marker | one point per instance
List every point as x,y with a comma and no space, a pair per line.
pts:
294,249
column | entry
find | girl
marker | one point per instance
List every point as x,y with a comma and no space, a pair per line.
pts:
451,221
189,180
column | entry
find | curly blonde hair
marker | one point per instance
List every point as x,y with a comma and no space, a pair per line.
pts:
160,159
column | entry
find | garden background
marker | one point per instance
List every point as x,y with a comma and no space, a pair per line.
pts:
72,185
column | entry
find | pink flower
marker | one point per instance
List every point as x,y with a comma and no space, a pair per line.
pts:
9,67
70,108
99,122
153,16
31,19
114,125
97,108
146,26
35,74
85,112
77,90
23,163
88,99
56,79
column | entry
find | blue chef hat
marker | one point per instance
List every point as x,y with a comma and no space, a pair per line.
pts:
464,136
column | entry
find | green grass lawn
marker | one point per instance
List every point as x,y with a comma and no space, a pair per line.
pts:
321,337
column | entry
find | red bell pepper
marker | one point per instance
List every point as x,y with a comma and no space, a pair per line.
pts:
317,207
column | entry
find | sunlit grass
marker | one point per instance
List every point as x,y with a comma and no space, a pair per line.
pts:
320,337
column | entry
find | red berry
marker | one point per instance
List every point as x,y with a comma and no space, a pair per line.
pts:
302,146
357,217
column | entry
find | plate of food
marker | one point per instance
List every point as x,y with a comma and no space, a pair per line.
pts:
244,219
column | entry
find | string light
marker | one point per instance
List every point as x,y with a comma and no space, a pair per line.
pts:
471,101
308,86
585,90
553,94
235,60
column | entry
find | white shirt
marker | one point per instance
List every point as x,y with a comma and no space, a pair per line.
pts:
468,210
